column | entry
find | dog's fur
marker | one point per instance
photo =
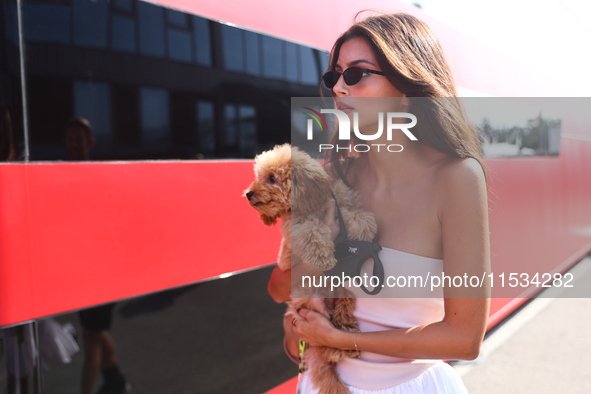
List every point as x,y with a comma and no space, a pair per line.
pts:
288,181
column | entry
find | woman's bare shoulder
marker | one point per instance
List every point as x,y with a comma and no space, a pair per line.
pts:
461,169
459,181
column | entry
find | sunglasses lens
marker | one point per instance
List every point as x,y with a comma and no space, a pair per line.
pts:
330,79
353,75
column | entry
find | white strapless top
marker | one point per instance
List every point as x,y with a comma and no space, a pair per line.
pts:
387,311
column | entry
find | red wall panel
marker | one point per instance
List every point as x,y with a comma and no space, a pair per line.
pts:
17,298
78,234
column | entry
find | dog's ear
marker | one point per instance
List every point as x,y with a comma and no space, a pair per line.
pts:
269,220
310,184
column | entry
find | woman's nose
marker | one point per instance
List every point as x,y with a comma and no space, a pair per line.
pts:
341,88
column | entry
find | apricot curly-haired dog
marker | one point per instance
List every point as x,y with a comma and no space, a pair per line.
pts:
292,186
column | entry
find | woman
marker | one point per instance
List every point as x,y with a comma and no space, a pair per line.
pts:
430,202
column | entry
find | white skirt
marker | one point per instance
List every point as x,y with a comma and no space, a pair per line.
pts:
438,379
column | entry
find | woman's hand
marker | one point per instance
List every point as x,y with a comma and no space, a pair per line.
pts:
291,339
332,220
313,328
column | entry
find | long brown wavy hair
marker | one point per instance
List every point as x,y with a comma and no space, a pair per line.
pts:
411,57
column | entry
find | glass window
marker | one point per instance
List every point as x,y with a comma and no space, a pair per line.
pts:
205,124
179,45
232,48
323,61
123,33
43,23
272,57
309,70
241,133
230,125
154,116
202,40
291,62
126,117
133,95
151,29
213,345
124,5
252,53
248,135
19,354
12,22
90,23
177,18
93,102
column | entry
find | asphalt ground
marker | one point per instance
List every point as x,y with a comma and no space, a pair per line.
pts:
544,347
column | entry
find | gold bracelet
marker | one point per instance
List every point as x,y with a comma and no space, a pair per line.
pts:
355,341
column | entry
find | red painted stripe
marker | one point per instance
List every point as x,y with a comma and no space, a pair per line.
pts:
78,234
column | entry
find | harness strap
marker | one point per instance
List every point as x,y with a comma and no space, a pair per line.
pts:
341,221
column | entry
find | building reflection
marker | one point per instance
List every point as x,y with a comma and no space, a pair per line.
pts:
158,83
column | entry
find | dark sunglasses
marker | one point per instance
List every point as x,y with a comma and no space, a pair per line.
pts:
352,75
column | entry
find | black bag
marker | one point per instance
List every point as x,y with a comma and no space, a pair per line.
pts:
351,255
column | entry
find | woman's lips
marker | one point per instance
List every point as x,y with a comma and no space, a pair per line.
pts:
344,108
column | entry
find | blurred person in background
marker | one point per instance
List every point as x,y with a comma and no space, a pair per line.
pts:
99,346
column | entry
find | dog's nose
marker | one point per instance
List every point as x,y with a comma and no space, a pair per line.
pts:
249,194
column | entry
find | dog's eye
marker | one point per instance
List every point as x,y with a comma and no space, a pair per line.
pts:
272,179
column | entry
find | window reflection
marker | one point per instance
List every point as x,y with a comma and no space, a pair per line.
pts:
155,120
205,119
176,339
123,33
93,102
323,62
125,5
179,45
240,125
233,48
291,62
272,57
90,23
18,369
247,127
151,22
177,18
12,22
231,126
126,118
202,40
157,83
43,22
252,53
310,73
